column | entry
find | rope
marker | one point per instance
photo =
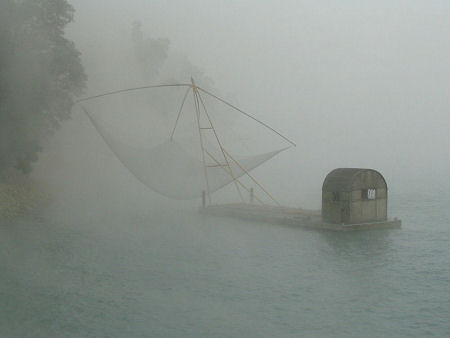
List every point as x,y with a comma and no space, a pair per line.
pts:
132,89
191,86
248,115
179,113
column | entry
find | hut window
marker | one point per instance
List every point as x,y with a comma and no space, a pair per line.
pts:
368,194
336,196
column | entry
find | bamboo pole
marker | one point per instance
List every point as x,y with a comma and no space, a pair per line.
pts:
248,115
254,180
197,102
237,179
220,145
191,85
132,89
197,114
179,113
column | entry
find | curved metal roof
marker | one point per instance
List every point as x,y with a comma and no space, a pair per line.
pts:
341,179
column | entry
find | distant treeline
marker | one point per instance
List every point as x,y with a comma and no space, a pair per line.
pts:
40,74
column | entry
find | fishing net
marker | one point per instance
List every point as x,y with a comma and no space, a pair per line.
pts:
175,167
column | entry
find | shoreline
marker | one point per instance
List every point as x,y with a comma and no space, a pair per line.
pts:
20,194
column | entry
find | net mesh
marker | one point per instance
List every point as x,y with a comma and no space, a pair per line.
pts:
169,169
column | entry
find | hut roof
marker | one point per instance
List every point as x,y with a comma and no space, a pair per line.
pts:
341,179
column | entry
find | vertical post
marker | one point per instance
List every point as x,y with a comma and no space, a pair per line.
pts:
203,198
251,195
200,101
197,113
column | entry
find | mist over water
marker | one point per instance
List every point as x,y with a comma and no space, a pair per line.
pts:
353,84
113,266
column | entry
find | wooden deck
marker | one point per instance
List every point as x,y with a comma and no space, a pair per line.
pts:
289,216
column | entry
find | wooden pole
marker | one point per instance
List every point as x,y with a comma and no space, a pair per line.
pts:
197,114
179,113
253,179
222,149
236,179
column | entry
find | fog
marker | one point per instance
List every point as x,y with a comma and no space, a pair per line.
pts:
352,84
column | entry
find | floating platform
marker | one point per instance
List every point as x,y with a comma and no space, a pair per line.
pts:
290,216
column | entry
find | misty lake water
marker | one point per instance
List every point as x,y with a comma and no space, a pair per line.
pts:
132,271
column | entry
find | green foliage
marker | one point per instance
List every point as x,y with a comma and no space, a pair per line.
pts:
150,53
40,74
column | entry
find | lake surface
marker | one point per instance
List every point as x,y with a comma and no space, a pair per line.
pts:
131,271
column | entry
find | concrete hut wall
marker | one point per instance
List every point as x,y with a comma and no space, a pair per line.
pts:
363,209
345,200
336,208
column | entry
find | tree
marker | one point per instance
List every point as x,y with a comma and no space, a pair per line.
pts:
40,75
150,53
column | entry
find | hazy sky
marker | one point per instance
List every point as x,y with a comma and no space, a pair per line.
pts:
353,83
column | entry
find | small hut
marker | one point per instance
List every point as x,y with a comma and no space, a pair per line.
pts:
353,195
